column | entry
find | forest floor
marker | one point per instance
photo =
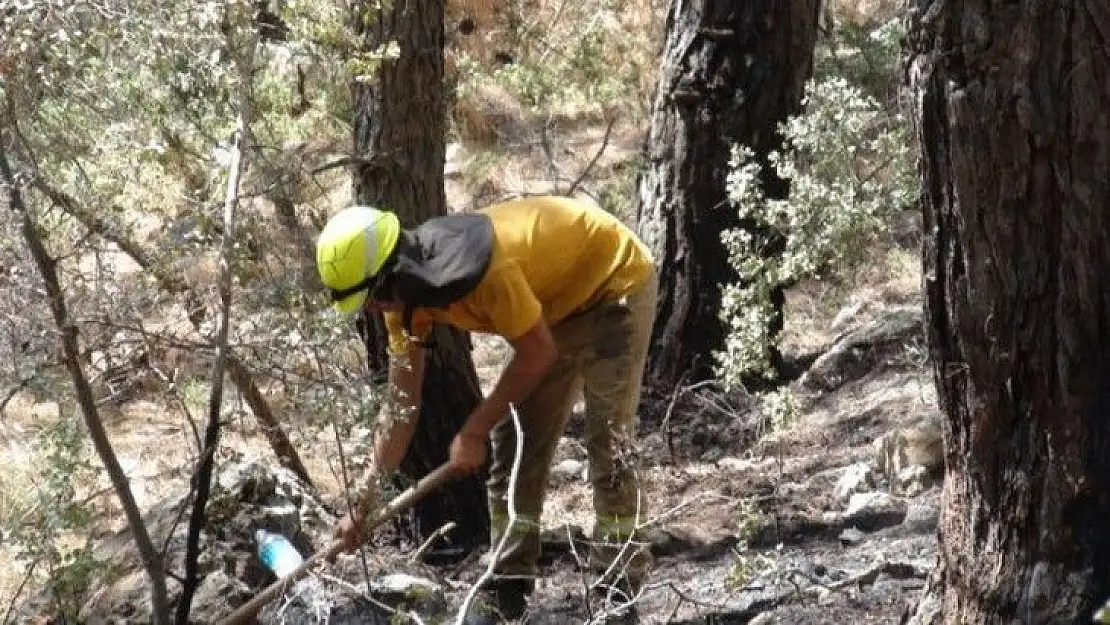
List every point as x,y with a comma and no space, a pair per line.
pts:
802,518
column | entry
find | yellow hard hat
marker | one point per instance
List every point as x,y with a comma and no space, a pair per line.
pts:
351,250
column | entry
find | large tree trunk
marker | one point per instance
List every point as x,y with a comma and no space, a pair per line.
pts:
731,72
400,129
1011,114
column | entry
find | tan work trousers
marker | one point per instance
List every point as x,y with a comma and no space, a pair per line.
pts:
603,349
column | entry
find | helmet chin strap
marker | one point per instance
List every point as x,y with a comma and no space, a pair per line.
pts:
369,283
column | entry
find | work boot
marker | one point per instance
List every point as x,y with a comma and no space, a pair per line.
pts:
500,601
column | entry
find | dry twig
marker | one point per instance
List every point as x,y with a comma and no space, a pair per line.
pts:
518,455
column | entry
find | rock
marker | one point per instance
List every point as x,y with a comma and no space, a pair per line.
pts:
851,536
855,479
403,589
127,599
858,352
404,585
911,481
873,511
921,518
920,443
570,469
45,411
713,454
863,502
217,591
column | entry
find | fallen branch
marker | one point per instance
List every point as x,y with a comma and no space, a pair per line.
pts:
684,598
897,570
427,544
19,591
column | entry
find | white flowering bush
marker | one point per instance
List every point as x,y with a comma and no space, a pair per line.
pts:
849,165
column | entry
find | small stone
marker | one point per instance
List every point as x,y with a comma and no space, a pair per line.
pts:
912,480
851,536
405,585
864,502
855,479
921,517
569,469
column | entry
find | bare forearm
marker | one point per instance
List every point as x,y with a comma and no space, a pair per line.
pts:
399,414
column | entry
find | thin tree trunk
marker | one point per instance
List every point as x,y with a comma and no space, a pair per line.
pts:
202,477
1011,115
731,72
68,332
400,134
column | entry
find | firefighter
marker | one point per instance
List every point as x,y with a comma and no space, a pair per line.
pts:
573,290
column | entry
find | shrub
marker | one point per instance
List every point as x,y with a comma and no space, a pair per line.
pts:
848,161
52,531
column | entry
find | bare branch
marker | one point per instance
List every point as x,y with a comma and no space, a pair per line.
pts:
595,159
427,544
173,282
514,472
69,337
19,592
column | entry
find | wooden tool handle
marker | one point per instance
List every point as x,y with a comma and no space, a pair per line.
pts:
247,612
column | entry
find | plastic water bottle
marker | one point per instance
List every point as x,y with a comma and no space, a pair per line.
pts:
277,553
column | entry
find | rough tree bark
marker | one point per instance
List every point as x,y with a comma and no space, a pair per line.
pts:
400,134
1011,115
731,72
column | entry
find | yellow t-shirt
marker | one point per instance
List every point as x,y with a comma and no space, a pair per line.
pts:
552,256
